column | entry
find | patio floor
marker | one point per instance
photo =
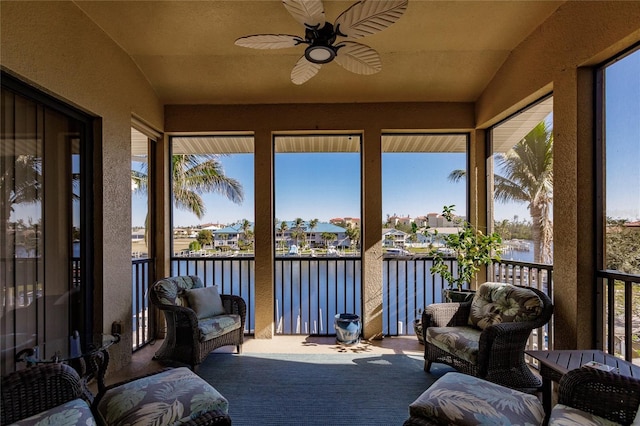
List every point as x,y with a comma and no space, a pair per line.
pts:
142,361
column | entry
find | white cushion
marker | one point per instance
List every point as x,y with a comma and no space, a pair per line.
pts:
205,301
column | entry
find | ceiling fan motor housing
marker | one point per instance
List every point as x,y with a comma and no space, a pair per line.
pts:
321,49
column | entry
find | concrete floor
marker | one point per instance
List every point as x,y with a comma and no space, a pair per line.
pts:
143,363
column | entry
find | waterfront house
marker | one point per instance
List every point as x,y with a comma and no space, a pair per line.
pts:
77,76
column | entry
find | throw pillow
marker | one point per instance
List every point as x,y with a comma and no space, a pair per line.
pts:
205,301
495,303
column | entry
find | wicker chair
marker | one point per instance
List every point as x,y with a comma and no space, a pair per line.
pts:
594,392
37,389
495,353
189,339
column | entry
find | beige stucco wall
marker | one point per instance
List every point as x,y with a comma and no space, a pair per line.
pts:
561,56
54,46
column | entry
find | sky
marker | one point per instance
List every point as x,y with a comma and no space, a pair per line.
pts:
622,99
325,186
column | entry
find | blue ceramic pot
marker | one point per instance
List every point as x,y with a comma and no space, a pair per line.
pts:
348,328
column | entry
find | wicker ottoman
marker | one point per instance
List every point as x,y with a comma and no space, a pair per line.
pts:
173,396
461,399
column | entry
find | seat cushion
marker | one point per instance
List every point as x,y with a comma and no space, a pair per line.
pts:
463,342
167,398
76,412
461,399
563,415
210,328
495,303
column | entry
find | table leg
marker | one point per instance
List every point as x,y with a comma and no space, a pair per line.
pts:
546,396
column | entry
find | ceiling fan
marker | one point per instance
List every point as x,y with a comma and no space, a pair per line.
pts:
359,20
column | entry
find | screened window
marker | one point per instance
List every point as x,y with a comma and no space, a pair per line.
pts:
522,185
45,236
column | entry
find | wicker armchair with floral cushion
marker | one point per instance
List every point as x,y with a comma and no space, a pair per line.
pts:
198,319
486,337
46,394
587,396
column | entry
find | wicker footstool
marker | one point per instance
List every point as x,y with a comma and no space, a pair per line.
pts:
460,399
173,396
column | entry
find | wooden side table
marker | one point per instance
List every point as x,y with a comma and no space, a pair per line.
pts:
555,364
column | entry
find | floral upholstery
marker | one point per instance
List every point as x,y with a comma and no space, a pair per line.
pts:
217,326
171,397
563,415
462,342
75,412
170,291
495,303
461,399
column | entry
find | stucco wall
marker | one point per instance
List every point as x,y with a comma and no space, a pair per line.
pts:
53,45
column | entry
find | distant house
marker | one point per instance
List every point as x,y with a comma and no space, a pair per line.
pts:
229,236
313,237
392,237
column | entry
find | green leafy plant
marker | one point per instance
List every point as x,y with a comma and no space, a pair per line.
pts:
469,246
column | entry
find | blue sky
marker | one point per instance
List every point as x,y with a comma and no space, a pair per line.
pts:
623,138
323,186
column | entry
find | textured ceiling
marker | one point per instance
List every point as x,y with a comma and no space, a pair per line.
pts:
438,51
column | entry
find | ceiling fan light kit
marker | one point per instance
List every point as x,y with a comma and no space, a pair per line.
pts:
361,19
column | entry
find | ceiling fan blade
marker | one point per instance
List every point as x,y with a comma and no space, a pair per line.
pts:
303,71
358,58
268,41
369,17
310,13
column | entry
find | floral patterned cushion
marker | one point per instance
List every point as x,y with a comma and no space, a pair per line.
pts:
217,326
170,397
460,399
172,288
463,342
495,303
563,415
76,412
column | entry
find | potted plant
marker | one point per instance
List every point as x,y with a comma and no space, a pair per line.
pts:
470,248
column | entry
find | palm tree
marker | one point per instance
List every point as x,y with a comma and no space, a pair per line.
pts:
247,234
353,232
312,224
194,175
528,178
283,228
297,230
191,176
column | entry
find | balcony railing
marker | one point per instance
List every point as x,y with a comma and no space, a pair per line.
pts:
310,291
536,275
620,295
141,272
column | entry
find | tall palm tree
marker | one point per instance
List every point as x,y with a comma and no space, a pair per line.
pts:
191,176
194,175
297,230
247,234
283,228
528,178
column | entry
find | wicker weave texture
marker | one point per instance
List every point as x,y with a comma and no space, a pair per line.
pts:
501,346
35,389
182,343
605,394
